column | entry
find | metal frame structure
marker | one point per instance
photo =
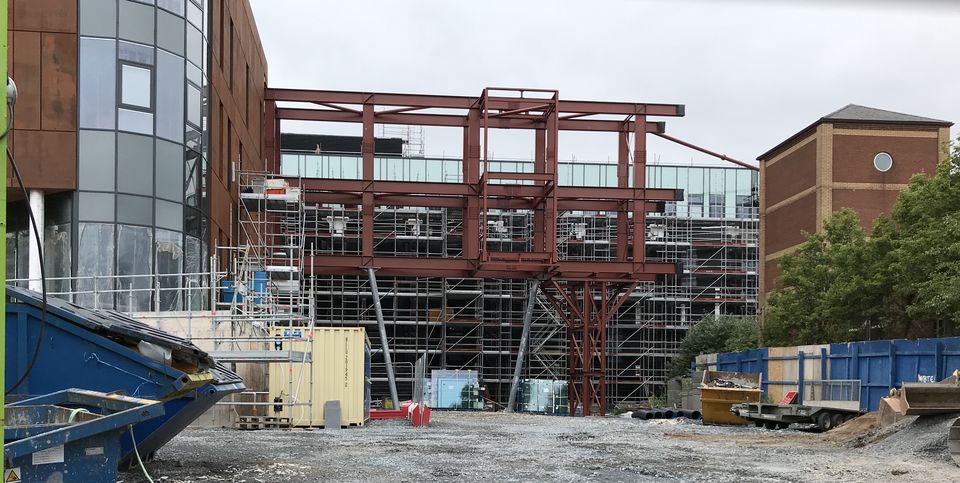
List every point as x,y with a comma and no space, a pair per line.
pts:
577,283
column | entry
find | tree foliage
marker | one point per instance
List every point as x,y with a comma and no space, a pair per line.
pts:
716,334
900,280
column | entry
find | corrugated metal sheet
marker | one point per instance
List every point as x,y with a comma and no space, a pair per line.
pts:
338,373
878,365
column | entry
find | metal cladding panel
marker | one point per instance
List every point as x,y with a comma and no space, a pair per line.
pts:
754,361
882,365
337,373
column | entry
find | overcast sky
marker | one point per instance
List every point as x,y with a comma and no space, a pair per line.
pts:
750,72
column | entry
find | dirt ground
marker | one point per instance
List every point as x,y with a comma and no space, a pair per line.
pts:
463,446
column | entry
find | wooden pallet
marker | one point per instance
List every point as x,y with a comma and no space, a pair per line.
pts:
262,422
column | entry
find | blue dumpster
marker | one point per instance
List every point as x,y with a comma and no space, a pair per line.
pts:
71,435
108,352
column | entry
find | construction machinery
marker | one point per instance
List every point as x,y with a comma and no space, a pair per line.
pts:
826,404
923,399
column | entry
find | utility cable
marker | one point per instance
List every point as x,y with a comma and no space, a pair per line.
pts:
43,274
137,452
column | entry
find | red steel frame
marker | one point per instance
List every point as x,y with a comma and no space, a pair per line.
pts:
588,292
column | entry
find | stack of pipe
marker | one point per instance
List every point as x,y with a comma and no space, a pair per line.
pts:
657,413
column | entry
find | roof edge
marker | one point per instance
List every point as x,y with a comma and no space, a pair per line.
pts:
825,120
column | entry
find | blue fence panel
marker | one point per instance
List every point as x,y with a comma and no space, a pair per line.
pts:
885,364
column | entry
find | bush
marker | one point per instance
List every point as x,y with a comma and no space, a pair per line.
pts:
716,334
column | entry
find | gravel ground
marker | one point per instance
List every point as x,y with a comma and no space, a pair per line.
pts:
522,447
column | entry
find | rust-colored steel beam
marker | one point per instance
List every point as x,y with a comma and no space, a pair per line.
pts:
495,190
545,112
468,102
463,268
707,151
402,116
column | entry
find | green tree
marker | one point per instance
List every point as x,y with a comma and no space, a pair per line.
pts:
901,281
716,334
828,287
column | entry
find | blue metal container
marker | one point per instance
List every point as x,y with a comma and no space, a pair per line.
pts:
101,351
879,365
258,287
71,435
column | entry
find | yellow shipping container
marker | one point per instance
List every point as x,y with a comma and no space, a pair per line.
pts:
337,373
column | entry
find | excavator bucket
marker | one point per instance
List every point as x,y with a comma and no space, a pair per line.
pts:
920,399
953,441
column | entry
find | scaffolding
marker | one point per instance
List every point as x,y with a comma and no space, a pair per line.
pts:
476,323
265,291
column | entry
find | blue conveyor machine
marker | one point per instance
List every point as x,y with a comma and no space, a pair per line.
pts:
105,351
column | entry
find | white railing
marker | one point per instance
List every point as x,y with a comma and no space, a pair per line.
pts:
136,293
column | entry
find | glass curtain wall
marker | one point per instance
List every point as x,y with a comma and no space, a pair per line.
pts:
709,191
139,211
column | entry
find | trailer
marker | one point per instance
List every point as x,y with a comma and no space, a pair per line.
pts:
825,405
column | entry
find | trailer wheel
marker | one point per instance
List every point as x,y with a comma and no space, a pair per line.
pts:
783,425
770,425
837,420
825,421
758,423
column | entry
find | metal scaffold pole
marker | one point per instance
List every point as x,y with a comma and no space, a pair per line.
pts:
383,338
524,337
3,218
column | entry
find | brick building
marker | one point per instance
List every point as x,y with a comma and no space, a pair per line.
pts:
857,157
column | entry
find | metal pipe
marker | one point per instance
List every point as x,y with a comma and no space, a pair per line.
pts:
705,151
383,338
36,205
527,320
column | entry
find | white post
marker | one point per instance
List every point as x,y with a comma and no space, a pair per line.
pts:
36,205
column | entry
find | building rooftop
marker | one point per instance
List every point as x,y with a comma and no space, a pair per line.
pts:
864,114
854,112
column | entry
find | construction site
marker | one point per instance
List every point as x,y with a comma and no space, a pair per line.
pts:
211,277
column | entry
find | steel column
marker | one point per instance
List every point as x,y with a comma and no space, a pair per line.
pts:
524,339
391,380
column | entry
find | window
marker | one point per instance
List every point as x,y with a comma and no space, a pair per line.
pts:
97,83
883,162
135,164
170,32
246,89
98,18
96,159
228,150
136,22
135,86
170,97
223,15
230,66
193,105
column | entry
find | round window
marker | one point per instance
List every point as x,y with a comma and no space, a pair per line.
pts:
883,162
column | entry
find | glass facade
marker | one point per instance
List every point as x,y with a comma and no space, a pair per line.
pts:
142,119
709,192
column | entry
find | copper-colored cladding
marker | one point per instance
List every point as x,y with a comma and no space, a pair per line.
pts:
544,112
43,59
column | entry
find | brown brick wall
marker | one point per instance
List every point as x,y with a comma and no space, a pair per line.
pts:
771,270
237,84
853,158
784,226
792,174
869,204
42,50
